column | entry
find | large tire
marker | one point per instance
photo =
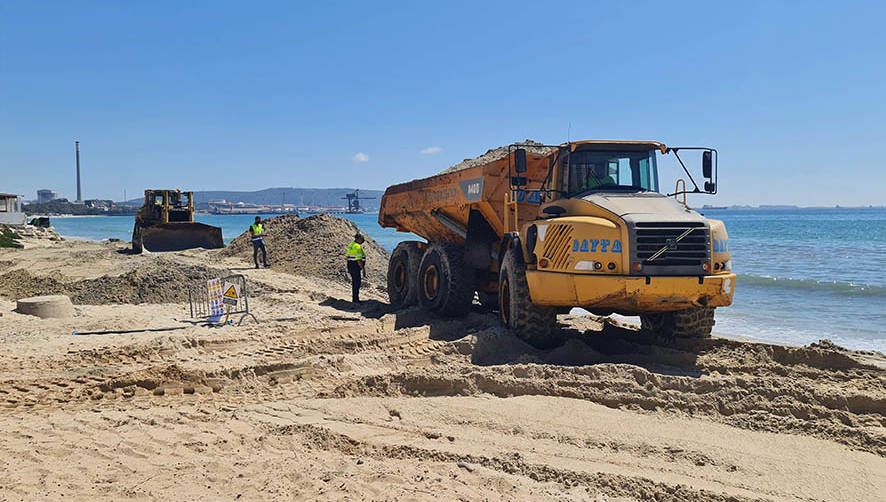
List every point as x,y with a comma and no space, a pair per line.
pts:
445,282
530,322
690,323
403,274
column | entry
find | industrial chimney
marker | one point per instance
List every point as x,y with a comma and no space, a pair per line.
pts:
77,149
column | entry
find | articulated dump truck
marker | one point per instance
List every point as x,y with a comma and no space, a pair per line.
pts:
543,230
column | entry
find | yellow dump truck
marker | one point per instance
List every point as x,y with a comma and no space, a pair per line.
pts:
547,228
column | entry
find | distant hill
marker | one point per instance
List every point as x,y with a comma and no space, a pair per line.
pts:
325,197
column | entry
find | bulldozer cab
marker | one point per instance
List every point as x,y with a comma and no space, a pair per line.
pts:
168,206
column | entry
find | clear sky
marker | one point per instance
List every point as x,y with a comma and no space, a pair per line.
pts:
250,95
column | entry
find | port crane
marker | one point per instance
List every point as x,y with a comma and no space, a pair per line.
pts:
354,201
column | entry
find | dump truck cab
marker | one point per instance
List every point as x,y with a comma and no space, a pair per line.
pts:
606,238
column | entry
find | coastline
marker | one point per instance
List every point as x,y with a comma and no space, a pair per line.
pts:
763,285
56,216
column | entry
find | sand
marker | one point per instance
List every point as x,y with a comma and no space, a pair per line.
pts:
313,246
529,145
324,401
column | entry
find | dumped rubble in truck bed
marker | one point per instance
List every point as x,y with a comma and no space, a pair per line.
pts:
498,153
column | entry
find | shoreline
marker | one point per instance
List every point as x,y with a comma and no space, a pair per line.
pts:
66,216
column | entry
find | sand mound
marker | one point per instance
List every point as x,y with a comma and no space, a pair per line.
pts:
313,246
159,281
497,153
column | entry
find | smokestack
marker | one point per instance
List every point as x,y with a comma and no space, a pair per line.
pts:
79,194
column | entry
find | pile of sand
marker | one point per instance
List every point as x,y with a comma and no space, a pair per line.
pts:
314,246
162,280
498,153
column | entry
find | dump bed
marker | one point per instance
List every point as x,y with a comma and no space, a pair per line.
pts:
437,208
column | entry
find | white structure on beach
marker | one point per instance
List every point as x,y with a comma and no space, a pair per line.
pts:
11,209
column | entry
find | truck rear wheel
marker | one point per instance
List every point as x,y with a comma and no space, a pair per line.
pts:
530,322
445,282
403,274
690,323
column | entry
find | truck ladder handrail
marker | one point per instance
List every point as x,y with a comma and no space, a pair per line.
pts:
509,206
677,190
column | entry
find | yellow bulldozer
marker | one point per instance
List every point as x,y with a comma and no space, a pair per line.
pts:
166,223
542,230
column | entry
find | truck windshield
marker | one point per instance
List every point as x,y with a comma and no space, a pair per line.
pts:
610,170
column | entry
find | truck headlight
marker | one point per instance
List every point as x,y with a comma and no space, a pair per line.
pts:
727,265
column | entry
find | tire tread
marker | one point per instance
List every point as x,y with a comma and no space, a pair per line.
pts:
532,323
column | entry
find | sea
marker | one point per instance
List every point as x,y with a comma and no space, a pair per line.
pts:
803,274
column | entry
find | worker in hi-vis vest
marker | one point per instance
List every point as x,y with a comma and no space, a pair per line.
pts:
356,266
257,233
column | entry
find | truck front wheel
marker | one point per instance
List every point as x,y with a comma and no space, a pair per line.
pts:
445,282
690,323
403,274
530,322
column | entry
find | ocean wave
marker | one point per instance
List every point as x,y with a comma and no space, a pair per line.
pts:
839,287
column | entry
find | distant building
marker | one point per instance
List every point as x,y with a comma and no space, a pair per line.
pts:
44,196
99,204
11,209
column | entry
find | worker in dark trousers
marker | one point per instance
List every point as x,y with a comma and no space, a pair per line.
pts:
356,266
257,233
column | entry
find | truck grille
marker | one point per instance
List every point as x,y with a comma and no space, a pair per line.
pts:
684,256
558,243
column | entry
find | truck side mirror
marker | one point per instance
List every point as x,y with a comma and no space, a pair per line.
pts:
520,160
707,168
710,187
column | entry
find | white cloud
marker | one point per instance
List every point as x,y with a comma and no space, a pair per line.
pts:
361,157
431,150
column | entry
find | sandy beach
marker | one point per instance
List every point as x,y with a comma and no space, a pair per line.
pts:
325,401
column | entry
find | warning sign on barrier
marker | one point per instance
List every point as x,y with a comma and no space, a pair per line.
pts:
216,306
232,294
217,299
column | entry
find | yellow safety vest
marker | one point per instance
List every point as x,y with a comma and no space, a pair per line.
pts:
257,232
355,252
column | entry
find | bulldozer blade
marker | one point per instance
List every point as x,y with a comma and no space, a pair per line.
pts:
178,236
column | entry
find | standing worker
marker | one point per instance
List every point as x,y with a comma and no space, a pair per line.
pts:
356,265
257,232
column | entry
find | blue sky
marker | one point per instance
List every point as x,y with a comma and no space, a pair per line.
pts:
218,95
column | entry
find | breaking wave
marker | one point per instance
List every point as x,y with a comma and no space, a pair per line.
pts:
837,287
